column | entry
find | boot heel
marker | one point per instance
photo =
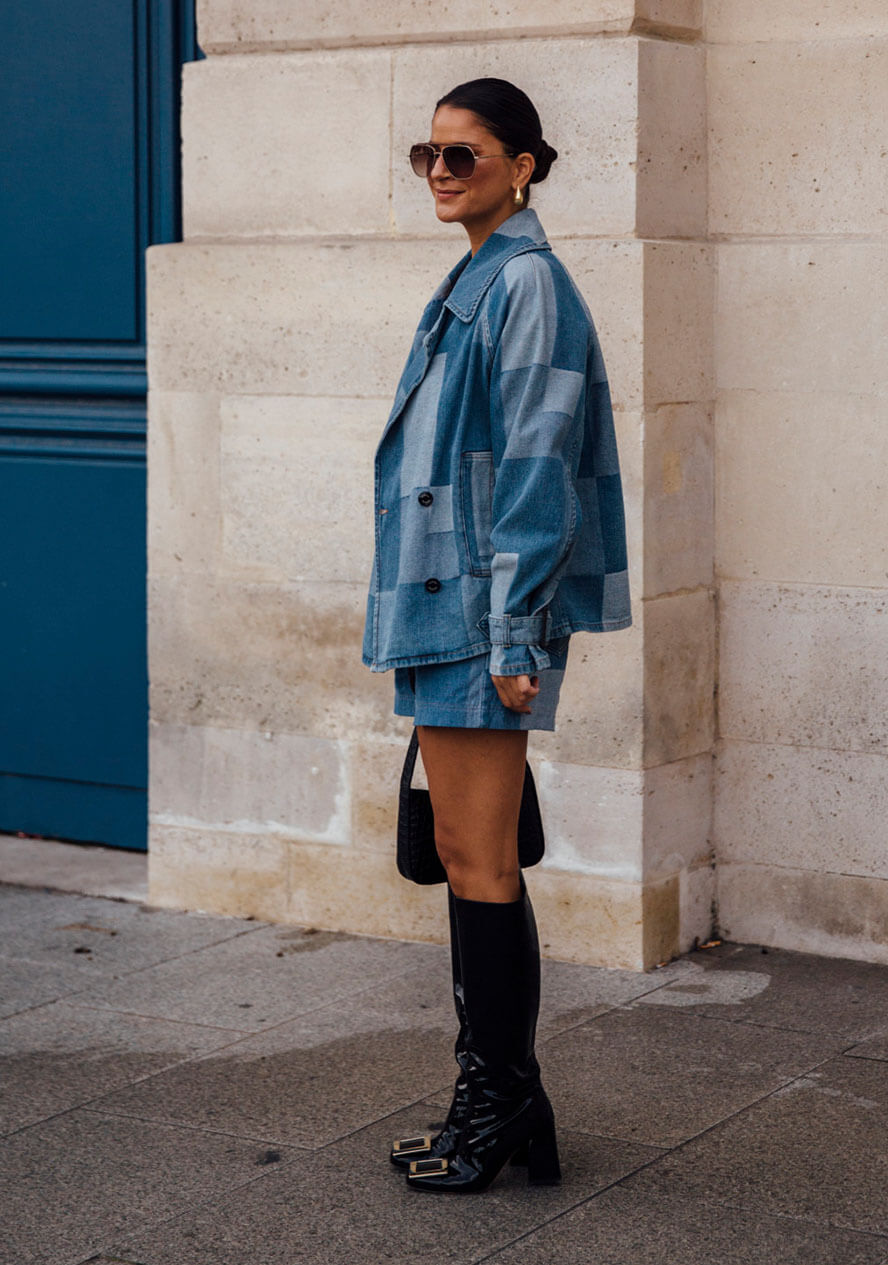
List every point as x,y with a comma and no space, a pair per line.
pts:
519,1159
543,1168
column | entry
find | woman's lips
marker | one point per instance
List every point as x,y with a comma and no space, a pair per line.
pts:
444,194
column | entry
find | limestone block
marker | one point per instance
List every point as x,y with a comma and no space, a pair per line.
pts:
252,783
631,442
677,817
802,488
600,708
803,807
789,154
292,143
679,659
804,664
678,498
593,820
697,905
301,318
337,318
279,658
789,316
212,871
612,276
678,16
672,140
660,928
375,772
183,482
679,284
227,24
836,915
297,486
586,92
764,20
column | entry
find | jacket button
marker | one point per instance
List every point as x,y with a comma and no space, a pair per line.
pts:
425,498
432,585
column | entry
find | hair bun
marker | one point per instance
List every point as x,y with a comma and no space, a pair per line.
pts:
545,157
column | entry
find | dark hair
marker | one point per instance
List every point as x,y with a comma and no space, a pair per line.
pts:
510,115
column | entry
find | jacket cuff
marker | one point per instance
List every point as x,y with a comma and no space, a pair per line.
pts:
516,630
517,660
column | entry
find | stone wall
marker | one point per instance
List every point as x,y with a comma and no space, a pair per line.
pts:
278,329
798,207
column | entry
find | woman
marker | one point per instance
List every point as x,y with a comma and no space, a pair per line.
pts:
499,532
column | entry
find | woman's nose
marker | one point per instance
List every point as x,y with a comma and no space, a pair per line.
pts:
439,167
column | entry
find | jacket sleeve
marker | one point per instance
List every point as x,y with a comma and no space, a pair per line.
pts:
540,344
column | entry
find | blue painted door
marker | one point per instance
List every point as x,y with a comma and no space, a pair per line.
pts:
89,103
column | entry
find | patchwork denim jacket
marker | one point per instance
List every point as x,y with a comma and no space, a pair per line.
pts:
499,518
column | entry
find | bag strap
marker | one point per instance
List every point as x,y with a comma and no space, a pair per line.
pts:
409,762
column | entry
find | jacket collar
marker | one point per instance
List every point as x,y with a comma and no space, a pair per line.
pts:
466,284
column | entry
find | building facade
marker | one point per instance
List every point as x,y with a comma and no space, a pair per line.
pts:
720,197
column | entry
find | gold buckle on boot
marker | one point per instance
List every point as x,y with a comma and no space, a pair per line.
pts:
428,1168
409,1146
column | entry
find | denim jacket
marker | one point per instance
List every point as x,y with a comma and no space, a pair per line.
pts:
499,517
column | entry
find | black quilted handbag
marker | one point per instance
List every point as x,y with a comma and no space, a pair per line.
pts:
418,859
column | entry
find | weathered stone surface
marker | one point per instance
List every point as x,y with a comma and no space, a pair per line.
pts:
762,20
233,24
808,807
678,498
183,482
212,870
301,146
671,168
837,915
278,658
823,169
788,317
679,634
799,496
679,284
297,487
250,782
797,665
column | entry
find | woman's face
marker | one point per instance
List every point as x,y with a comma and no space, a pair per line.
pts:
486,198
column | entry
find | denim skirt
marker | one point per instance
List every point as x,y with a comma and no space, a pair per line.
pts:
462,694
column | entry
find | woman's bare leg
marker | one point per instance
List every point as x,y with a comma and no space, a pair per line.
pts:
475,778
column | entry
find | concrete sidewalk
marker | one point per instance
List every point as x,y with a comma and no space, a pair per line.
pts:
183,1089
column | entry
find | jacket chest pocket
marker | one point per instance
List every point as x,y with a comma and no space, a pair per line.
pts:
476,500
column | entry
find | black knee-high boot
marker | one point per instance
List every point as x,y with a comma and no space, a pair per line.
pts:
509,1114
404,1150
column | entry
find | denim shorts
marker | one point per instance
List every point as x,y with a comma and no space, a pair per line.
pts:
462,694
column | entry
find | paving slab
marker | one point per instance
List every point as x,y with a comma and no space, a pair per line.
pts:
102,937
74,867
267,977
877,1048
634,1225
815,1150
347,1205
60,1056
313,1079
652,1075
25,984
782,989
69,1184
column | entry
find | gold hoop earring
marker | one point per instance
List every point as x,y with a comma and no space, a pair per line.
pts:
519,197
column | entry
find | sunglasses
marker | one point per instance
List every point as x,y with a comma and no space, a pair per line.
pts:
458,159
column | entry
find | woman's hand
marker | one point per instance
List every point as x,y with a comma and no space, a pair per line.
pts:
515,692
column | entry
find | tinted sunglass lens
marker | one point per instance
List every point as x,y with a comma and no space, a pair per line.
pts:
459,161
422,159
